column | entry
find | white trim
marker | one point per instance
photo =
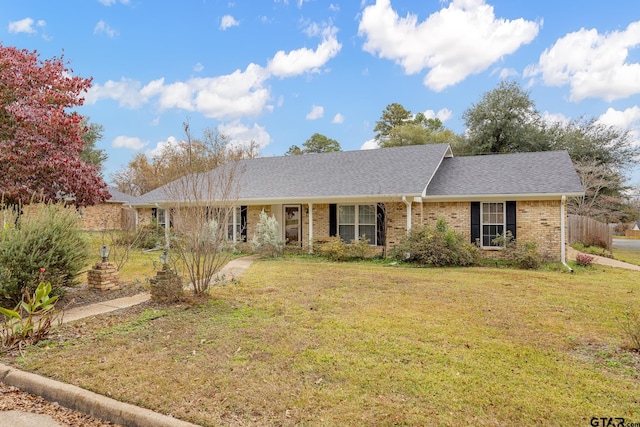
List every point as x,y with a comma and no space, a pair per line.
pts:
408,205
310,217
284,222
447,153
482,223
499,197
372,241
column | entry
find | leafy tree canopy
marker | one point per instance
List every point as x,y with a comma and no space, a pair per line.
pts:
397,127
505,120
90,154
318,143
40,140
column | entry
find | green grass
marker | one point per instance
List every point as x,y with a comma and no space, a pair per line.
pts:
626,255
299,341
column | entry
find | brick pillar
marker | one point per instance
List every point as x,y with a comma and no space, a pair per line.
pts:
104,277
166,287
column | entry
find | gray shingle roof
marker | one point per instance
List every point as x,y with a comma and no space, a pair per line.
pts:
399,171
118,196
389,171
549,172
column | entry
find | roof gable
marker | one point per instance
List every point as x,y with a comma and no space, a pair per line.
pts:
538,173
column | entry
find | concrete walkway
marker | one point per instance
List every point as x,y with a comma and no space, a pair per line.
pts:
601,260
86,401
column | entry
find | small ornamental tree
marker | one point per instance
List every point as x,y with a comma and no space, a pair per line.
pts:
267,238
40,140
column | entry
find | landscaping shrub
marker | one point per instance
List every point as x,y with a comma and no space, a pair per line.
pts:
336,249
46,238
521,252
267,239
584,260
149,236
629,324
437,246
593,250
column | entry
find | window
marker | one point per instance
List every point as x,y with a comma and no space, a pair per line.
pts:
357,220
493,223
230,219
158,214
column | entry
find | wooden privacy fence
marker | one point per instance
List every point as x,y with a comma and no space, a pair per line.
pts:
635,234
590,232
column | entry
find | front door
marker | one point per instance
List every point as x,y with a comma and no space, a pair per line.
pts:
292,235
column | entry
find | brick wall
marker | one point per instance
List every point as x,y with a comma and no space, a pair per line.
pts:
537,221
103,216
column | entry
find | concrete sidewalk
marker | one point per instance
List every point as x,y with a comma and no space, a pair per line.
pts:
86,401
601,260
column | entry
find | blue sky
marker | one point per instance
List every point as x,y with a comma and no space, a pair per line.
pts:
277,71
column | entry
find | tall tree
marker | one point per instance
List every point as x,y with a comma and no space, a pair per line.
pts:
40,140
318,143
505,120
397,127
393,115
90,154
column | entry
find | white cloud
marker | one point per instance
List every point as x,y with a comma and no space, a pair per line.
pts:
230,96
369,145
126,92
338,118
228,21
131,142
241,135
453,43
104,28
443,114
334,7
628,119
198,67
506,73
553,118
594,65
22,26
316,112
112,2
305,60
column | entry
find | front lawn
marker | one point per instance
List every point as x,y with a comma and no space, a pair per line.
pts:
627,255
305,342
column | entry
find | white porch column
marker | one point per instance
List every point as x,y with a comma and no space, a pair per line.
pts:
310,228
408,204
167,228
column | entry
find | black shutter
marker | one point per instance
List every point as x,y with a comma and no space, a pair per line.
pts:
333,220
243,223
381,224
154,213
511,218
475,222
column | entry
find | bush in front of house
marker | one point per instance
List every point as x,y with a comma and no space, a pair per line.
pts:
336,249
438,246
267,239
584,260
523,253
46,239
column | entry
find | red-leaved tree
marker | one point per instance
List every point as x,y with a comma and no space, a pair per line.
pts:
40,139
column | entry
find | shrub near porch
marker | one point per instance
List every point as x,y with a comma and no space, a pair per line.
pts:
299,341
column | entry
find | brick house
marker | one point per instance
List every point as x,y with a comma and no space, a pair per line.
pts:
385,192
112,214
